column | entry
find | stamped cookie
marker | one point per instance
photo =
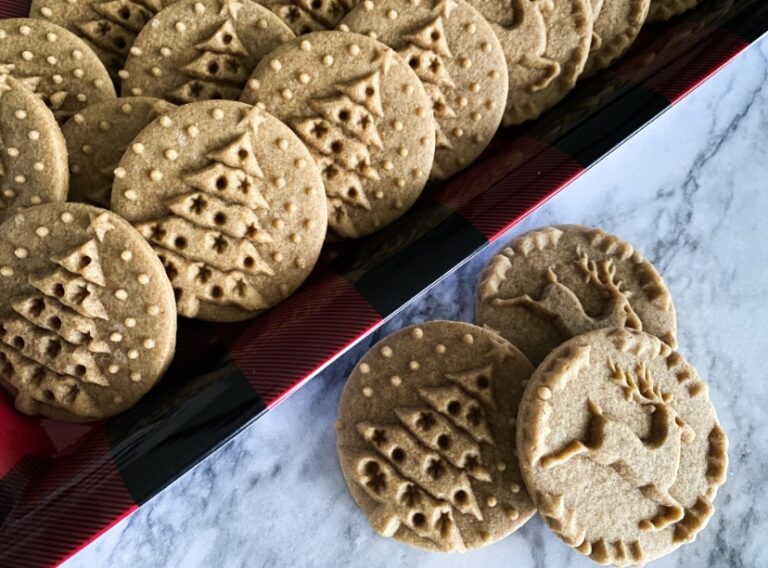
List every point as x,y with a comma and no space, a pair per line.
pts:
663,10
197,50
546,43
54,63
620,446
231,201
33,155
365,117
553,283
97,138
87,319
107,26
306,16
425,436
459,60
616,27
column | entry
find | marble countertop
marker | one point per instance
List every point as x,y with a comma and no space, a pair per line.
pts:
690,192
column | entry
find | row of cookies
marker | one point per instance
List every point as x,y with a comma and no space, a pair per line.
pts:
569,400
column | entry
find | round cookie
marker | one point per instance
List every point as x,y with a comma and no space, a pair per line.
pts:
459,60
616,27
55,64
231,201
87,318
365,117
107,26
33,155
663,10
546,44
97,138
306,16
198,50
553,283
425,436
620,446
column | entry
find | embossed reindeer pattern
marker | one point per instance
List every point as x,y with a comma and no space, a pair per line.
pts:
561,307
649,464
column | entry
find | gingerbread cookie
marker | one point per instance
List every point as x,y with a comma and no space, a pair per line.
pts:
553,283
425,436
546,43
365,117
231,201
197,50
616,27
620,446
97,138
306,16
33,155
87,318
55,64
107,26
663,10
459,60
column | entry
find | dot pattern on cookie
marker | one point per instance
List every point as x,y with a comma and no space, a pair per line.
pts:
198,50
33,154
54,64
546,44
464,74
345,95
109,27
615,29
425,436
98,136
306,16
663,10
620,446
553,283
78,322
231,201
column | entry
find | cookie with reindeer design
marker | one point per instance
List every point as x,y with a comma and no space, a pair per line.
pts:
556,282
232,203
616,28
365,117
425,436
459,60
87,317
97,138
620,446
53,63
196,50
546,44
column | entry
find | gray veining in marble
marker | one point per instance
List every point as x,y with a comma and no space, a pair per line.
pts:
690,191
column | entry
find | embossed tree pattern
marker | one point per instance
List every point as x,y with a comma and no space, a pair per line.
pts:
50,341
305,16
422,468
114,26
221,68
340,137
208,244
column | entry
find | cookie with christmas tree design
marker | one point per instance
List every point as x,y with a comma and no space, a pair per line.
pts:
55,64
546,43
107,26
616,28
97,138
426,436
87,317
553,283
33,155
232,203
365,117
196,50
459,60
306,16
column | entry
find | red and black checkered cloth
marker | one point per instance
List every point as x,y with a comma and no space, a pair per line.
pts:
62,485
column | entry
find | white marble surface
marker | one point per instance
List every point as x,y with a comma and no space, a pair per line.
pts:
690,192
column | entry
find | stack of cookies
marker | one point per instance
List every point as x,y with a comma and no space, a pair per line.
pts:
567,398
246,133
